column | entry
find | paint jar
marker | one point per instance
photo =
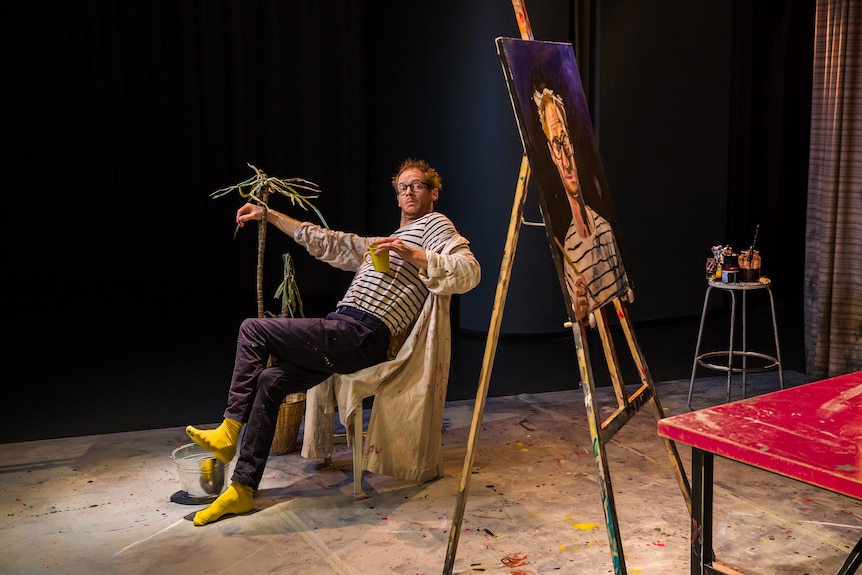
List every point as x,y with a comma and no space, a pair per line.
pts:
749,265
730,269
711,268
729,276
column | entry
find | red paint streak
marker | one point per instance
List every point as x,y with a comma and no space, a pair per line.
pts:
515,560
846,512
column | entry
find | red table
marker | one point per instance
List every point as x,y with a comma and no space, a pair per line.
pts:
812,433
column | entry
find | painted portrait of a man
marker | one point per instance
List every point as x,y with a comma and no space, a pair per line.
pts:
556,130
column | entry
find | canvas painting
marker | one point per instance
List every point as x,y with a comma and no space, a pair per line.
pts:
557,132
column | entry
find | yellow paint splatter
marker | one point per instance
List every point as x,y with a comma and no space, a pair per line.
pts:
584,526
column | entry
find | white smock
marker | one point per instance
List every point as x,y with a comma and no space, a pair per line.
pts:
404,434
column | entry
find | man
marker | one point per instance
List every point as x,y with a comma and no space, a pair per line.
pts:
594,270
427,255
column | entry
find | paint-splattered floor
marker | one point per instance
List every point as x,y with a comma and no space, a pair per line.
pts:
101,504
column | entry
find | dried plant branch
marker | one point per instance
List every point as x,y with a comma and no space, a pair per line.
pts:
288,291
258,189
299,191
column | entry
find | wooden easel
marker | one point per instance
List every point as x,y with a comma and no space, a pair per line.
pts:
601,431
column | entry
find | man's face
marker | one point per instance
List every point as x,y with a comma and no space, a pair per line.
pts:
562,153
415,203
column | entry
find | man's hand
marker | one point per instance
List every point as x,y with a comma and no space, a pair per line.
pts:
581,302
414,256
247,213
250,211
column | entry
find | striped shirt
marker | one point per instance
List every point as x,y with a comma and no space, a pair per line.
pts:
597,259
397,296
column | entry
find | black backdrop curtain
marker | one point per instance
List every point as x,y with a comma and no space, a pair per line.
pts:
120,119
768,136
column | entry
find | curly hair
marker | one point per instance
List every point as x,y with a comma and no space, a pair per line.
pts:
431,177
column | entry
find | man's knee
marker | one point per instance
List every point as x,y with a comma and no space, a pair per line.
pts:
270,377
249,326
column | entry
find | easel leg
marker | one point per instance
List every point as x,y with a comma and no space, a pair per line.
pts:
488,362
599,453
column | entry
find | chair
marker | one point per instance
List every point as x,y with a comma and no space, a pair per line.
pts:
404,434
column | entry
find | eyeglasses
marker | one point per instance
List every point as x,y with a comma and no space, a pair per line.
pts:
416,185
558,145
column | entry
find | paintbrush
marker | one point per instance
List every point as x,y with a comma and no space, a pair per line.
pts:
751,249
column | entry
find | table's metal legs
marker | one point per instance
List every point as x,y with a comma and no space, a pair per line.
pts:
854,560
702,555
701,512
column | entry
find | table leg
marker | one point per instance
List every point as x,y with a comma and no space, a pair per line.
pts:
854,560
701,512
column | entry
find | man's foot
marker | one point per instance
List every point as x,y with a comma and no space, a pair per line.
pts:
236,500
221,441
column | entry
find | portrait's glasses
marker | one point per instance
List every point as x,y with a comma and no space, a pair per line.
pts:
416,185
558,145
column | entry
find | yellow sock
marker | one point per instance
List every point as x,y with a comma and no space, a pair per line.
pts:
236,500
221,441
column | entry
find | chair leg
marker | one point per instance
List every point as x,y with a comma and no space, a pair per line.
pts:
358,444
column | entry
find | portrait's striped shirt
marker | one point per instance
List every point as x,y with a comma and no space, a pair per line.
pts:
597,259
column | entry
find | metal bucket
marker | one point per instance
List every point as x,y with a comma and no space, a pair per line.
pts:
203,476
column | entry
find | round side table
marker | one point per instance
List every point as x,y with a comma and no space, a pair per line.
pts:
763,361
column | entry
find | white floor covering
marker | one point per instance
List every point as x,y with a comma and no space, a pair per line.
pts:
102,504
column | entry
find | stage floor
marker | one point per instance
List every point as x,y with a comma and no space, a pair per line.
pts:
102,504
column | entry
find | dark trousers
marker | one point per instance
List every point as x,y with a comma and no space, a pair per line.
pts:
307,352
